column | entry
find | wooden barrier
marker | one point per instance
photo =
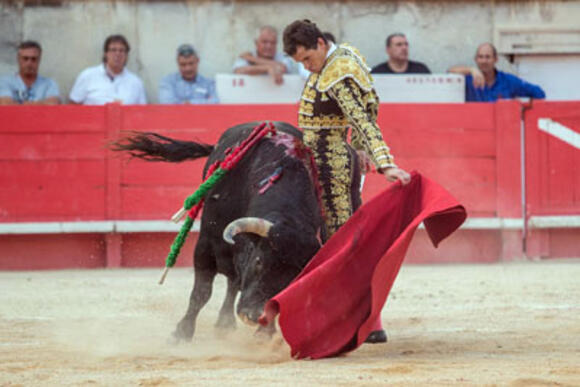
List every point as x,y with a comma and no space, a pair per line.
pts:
55,168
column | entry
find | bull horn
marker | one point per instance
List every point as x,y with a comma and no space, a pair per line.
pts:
257,226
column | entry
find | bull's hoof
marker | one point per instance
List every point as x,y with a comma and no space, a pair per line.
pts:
376,337
265,333
183,332
227,323
174,339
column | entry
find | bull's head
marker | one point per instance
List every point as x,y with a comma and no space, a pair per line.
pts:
268,256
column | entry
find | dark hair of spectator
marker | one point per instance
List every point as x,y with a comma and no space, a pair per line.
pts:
391,36
329,37
301,33
30,44
115,39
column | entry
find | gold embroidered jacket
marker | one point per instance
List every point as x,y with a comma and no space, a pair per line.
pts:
342,95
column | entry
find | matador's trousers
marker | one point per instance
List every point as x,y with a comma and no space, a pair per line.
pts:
339,177
338,174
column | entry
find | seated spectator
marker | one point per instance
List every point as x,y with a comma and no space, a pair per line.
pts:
301,70
186,85
399,63
109,81
485,83
26,87
266,60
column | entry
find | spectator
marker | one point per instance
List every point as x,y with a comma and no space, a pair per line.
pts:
301,70
109,81
26,87
266,60
399,63
485,83
186,85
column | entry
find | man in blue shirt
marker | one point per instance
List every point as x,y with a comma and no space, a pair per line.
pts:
485,83
26,87
186,85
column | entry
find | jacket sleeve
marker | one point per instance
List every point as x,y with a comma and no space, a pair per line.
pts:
348,95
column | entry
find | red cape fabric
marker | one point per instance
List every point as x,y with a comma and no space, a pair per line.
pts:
331,306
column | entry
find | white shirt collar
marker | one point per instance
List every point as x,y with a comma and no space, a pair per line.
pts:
331,50
109,75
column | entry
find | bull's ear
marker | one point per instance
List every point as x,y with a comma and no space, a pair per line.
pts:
293,246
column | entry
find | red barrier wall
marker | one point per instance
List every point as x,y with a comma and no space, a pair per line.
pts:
553,183
54,166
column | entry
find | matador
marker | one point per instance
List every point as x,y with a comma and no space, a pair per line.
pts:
339,94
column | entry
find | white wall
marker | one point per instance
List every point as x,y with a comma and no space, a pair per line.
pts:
441,33
559,75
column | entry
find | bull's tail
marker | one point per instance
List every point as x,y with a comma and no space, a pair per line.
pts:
155,147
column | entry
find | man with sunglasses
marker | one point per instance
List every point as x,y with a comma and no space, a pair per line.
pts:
26,87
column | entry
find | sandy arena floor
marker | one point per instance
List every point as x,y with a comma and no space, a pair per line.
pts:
512,324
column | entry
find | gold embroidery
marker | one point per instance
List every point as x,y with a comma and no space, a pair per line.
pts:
306,108
339,97
307,121
345,62
362,120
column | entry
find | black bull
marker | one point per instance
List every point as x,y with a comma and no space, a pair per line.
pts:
269,208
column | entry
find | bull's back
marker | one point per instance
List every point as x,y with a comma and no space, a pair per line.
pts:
236,134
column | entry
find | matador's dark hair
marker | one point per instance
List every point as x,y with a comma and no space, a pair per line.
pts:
301,33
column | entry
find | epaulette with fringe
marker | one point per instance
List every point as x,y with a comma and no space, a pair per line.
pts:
345,62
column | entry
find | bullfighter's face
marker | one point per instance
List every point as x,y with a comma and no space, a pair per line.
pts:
312,58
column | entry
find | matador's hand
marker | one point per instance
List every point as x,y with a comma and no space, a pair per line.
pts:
396,173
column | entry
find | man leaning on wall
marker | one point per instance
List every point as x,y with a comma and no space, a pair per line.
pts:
187,85
266,59
485,83
109,81
26,87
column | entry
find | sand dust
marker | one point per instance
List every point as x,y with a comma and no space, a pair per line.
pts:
514,324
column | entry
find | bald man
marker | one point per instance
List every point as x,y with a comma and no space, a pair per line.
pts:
266,59
485,83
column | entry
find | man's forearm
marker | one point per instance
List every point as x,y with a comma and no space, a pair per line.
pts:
252,70
464,70
7,101
46,101
268,62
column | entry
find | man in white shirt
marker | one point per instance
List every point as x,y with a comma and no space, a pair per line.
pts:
110,81
265,60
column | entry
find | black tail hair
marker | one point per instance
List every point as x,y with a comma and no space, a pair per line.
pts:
151,146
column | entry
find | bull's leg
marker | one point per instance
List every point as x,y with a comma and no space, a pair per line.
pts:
227,319
200,295
266,332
